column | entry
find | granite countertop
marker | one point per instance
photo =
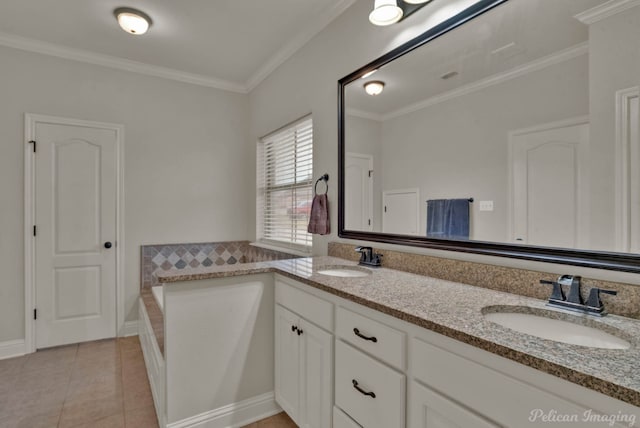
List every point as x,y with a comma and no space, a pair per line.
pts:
456,310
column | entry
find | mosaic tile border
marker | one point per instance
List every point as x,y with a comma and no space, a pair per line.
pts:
164,257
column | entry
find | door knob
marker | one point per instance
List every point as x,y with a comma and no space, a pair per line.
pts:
108,245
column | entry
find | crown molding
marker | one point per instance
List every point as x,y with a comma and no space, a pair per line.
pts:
539,64
296,43
80,55
364,114
605,10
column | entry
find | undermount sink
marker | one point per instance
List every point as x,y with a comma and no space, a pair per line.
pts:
344,271
546,325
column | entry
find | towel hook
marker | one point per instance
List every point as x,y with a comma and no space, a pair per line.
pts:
325,178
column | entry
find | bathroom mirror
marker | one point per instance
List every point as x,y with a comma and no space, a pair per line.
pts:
521,115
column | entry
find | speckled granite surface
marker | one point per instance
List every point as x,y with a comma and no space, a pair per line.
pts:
511,280
455,310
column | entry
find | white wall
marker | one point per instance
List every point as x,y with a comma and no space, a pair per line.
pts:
185,151
459,148
613,66
307,82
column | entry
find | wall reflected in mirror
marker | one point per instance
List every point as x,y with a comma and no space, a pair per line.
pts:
530,109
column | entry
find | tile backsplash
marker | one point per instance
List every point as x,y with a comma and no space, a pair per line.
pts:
511,280
158,258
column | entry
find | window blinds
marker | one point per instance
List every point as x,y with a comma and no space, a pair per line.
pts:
285,185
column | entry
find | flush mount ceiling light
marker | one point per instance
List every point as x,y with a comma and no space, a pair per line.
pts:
132,21
374,87
385,12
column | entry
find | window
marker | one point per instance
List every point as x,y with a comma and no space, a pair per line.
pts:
285,186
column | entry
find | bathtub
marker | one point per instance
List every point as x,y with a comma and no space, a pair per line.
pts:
158,295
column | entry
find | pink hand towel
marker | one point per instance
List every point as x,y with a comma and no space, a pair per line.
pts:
319,218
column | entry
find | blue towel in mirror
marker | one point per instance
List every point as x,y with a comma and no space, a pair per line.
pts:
448,218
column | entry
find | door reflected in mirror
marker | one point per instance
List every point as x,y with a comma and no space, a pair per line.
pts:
530,109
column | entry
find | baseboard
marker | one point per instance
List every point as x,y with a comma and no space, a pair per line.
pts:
234,415
12,348
130,328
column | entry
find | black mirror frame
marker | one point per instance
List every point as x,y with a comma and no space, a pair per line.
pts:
592,259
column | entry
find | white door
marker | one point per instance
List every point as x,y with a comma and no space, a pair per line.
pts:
628,170
75,171
287,373
549,206
358,192
428,409
316,375
401,211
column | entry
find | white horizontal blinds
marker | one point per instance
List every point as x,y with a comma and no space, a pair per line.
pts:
285,185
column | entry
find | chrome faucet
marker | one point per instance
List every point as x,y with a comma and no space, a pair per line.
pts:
368,257
574,301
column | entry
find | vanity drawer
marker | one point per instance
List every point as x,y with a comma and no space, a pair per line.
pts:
308,306
379,340
341,420
354,368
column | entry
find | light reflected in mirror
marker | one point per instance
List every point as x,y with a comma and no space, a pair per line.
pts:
530,109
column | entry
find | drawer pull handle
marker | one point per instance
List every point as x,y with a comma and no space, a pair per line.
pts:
362,391
362,336
294,328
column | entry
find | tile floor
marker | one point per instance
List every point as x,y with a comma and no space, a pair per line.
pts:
281,420
100,384
95,384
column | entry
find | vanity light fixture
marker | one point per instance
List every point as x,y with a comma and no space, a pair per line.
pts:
374,87
132,21
385,12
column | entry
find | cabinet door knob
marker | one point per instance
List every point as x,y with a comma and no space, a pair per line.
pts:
360,335
108,245
362,391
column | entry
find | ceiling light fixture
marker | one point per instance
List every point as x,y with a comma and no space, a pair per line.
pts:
374,87
385,12
132,21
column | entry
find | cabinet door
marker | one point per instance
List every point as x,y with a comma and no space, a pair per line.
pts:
287,370
428,409
316,359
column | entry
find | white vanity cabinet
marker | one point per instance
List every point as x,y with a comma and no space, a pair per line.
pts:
304,356
428,409
420,379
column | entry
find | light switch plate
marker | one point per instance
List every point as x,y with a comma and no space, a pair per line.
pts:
486,205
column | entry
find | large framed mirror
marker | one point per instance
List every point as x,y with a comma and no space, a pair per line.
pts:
511,129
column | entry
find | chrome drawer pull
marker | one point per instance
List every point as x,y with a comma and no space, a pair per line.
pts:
362,391
360,335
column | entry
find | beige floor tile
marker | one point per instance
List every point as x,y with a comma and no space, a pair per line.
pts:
33,419
113,421
137,395
108,386
89,410
11,366
141,418
51,358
